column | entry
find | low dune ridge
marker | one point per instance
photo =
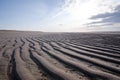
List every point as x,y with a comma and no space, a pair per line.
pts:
34,55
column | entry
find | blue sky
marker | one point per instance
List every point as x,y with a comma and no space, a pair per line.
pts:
60,15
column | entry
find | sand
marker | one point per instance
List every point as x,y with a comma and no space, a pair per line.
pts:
29,55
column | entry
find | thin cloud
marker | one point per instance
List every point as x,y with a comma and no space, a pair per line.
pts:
76,13
109,17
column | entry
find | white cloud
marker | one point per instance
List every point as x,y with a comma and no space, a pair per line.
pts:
74,13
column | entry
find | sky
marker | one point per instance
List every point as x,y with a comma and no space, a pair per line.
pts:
60,15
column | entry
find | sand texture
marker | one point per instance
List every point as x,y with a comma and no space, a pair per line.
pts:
28,55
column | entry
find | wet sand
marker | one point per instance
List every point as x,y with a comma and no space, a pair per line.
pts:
28,55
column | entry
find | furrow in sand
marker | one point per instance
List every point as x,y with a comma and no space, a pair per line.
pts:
23,43
42,43
2,51
2,46
101,49
3,43
35,45
57,73
15,42
11,70
24,51
27,39
30,64
82,68
35,40
88,53
96,50
4,64
88,59
21,68
43,75
9,46
12,73
67,69
111,47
